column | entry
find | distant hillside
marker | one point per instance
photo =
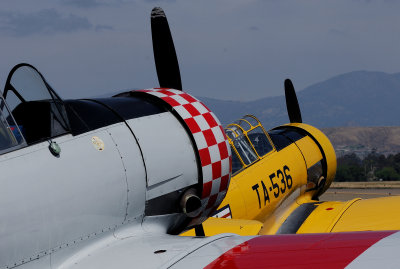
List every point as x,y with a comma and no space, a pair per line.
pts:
360,98
364,140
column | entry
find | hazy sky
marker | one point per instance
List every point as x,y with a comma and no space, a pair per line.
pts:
227,49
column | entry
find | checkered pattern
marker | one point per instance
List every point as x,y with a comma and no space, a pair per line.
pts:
211,141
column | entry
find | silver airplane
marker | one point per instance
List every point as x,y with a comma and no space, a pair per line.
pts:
109,183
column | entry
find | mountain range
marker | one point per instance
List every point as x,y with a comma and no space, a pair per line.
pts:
364,140
359,98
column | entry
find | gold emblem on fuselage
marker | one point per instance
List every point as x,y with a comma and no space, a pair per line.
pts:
98,143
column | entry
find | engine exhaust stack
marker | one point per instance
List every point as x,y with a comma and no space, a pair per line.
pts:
191,203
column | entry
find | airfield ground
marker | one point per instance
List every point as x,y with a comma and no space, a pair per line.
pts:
343,191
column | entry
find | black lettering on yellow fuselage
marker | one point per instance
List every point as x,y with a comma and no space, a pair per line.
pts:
286,183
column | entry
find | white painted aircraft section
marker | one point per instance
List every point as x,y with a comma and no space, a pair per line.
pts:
207,251
141,249
168,153
133,166
383,254
76,195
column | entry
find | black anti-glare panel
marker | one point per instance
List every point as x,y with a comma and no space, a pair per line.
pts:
284,136
76,123
131,107
280,141
85,115
293,135
90,114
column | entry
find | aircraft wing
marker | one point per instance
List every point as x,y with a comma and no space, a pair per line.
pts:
150,250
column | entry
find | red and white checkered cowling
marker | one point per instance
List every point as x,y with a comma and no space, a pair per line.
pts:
211,142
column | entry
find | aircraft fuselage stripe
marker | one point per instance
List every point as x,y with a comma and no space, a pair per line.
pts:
335,250
383,254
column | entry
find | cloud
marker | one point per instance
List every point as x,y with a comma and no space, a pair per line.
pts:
83,3
95,3
46,21
101,27
159,1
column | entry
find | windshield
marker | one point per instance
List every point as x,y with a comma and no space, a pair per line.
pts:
249,142
244,149
241,144
10,134
38,111
260,141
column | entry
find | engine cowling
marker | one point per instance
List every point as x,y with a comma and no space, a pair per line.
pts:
197,199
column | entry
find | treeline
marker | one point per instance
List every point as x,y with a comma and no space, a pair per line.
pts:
372,168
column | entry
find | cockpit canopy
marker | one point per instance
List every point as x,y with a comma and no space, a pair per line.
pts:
249,142
31,111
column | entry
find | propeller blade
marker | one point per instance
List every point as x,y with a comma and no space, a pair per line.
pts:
292,104
164,51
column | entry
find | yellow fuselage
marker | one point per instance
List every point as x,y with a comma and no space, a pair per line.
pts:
273,185
278,192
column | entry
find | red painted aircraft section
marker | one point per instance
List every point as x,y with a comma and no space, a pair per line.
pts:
334,250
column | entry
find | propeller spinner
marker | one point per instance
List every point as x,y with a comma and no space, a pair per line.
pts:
292,104
164,51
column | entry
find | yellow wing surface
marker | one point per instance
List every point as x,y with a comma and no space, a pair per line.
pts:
354,215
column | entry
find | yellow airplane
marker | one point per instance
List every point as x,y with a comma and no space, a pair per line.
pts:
278,177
